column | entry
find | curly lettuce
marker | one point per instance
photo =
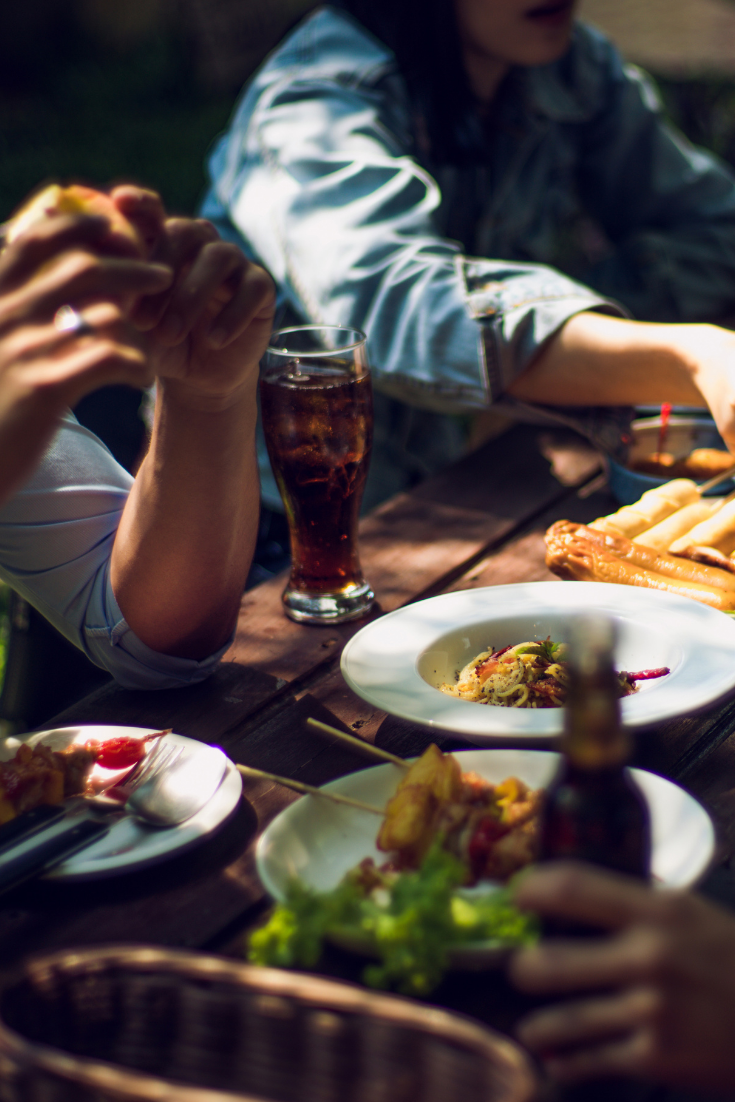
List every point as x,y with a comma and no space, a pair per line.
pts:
411,920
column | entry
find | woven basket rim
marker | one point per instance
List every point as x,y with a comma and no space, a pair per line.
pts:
309,990
102,1075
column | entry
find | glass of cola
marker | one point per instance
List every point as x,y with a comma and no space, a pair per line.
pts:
317,412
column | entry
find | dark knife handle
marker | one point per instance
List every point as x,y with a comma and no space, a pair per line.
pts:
27,823
38,854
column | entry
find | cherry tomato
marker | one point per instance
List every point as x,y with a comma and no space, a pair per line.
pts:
120,752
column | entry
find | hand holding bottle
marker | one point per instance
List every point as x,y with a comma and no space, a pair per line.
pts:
656,997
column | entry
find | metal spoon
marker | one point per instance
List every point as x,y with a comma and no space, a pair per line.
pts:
180,790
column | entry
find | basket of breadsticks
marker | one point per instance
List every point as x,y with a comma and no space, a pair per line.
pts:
673,539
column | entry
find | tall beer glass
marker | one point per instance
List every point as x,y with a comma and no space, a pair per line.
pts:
317,409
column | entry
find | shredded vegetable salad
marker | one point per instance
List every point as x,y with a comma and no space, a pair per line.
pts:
533,674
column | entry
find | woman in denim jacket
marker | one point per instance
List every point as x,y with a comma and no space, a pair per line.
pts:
490,193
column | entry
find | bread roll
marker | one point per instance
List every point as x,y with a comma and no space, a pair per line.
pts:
663,534
717,532
654,506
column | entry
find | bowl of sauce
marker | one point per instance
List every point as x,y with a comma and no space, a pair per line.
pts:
692,448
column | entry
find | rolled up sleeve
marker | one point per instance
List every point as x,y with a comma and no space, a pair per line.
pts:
56,538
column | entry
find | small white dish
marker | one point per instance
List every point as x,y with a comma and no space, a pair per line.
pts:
317,842
129,845
397,662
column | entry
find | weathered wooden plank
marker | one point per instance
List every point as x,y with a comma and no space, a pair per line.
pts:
512,474
356,714
201,711
522,559
713,782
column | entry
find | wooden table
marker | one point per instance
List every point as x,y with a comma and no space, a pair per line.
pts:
479,523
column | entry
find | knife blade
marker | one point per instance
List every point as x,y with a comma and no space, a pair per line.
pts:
44,849
28,823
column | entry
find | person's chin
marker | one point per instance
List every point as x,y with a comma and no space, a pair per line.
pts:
545,46
547,31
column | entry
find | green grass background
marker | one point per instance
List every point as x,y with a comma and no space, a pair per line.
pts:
101,116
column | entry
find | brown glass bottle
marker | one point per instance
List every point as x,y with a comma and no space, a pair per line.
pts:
593,810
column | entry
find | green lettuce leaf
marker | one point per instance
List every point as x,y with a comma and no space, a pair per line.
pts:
411,922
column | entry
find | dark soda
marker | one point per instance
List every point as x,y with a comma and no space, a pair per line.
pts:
317,420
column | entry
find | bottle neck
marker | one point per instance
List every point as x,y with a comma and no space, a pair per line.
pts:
593,737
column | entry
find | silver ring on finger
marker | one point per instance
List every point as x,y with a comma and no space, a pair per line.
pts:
68,320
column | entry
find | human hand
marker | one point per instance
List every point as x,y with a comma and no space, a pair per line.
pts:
708,352
208,331
660,989
56,263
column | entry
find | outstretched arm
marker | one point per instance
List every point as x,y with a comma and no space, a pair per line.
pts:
595,360
186,537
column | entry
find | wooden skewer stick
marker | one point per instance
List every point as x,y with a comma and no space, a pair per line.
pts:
158,734
310,789
718,478
358,743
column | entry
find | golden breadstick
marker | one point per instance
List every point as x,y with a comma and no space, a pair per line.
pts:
663,534
717,532
653,507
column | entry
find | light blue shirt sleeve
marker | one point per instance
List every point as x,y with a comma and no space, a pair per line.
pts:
56,537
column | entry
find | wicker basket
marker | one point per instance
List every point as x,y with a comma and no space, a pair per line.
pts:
120,1023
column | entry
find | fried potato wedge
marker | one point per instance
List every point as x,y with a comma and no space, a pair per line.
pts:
409,819
440,773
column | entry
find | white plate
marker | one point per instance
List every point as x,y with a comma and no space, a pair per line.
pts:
398,662
130,845
317,842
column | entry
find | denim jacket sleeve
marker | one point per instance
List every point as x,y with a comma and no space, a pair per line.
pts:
56,536
317,178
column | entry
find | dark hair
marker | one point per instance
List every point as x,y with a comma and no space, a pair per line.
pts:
424,37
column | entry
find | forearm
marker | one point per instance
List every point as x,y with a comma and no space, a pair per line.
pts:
595,360
186,538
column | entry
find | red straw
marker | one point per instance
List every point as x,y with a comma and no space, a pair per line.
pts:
665,415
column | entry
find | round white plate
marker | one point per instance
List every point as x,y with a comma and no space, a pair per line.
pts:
131,845
398,661
317,842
